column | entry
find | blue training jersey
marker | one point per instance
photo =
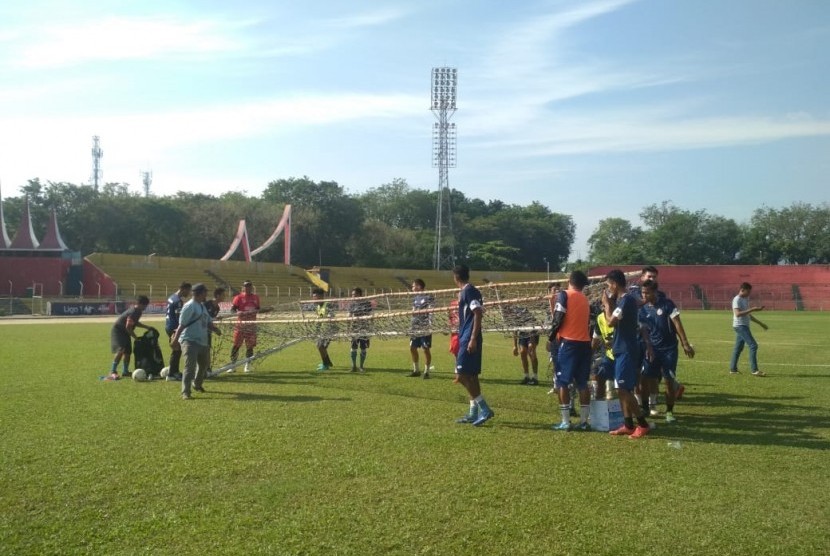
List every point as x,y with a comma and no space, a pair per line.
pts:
658,319
627,331
468,301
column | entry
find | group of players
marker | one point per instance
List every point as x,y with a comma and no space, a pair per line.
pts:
631,338
189,324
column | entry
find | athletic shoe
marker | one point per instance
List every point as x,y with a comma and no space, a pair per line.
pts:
583,427
484,415
734,372
670,418
533,381
471,417
623,430
679,394
639,432
170,378
322,367
175,377
426,375
654,412
562,427
414,373
248,369
354,370
186,397
361,369
199,389
525,380
758,373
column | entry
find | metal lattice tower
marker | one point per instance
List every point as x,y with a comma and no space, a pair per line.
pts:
97,154
147,180
444,84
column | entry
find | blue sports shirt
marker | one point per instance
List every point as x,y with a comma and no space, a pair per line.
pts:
658,319
468,301
627,331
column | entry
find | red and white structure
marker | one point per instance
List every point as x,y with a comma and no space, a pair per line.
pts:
241,239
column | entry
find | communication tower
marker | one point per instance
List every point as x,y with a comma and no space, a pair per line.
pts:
97,155
147,180
444,84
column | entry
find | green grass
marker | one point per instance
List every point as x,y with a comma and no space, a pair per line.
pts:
289,461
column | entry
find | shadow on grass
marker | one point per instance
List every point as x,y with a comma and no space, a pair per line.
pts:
256,397
751,420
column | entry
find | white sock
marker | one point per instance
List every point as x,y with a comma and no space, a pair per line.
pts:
652,400
416,368
584,413
565,411
473,405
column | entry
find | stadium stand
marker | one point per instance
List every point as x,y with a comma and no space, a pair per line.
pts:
786,288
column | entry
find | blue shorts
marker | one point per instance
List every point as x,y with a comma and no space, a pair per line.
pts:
420,342
626,369
574,364
605,369
468,363
664,364
531,339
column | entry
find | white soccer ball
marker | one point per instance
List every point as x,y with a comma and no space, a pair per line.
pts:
164,372
140,375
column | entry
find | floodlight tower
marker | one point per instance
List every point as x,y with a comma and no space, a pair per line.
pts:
147,180
444,83
97,155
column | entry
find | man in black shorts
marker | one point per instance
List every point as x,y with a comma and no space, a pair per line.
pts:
122,334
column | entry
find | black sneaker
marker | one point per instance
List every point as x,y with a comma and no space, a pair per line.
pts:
533,381
199,389
414,374
525,380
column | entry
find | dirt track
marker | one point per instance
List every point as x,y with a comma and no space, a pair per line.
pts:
26,319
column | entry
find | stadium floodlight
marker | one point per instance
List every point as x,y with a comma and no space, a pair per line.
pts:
443,105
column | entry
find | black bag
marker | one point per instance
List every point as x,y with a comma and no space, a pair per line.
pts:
148,353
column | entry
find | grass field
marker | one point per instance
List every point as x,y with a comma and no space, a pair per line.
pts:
290,461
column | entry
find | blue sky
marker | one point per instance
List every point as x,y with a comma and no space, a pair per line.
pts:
595,108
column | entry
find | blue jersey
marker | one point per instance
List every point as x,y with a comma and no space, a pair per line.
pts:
174,308
658,319
468,301
627,331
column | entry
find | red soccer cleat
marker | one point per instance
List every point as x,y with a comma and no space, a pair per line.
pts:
622,430
639,432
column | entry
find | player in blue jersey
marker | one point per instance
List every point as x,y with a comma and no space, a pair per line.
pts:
626,348
662,318
171,322
468,360
421,337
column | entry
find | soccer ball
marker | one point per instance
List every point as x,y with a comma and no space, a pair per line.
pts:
140,375
164,372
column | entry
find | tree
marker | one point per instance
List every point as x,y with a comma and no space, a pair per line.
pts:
616,242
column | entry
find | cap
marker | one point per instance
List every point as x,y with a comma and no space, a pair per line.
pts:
247,283
199,288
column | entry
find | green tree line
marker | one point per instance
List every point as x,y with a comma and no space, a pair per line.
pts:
393,226
798,234
390,226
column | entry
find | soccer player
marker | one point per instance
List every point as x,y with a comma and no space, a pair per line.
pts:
192,335
741,317
571,324
213,307
123,333
524,343
246,306
421,323
359,328
647,273
662,318
324,311
470,339
603,339
626,348
171,322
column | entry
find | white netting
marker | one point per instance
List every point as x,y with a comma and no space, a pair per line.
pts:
508,307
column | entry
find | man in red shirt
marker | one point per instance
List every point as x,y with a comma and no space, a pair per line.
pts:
246,306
